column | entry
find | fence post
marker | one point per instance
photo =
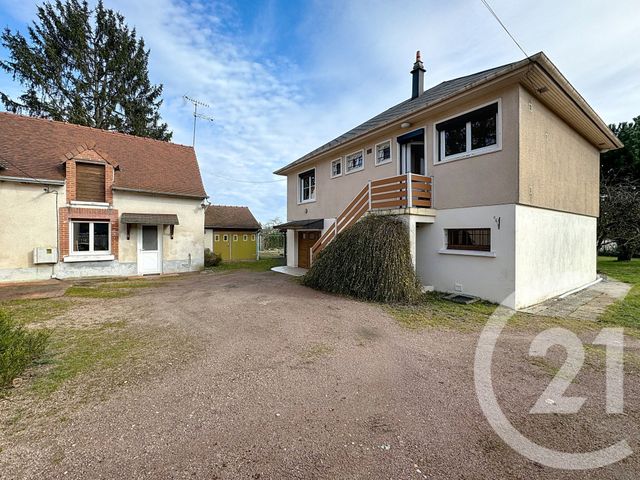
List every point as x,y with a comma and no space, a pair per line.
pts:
409,190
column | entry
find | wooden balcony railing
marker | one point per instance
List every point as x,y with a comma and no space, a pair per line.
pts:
401,191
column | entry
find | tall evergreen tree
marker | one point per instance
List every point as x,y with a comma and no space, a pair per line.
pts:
84,66
624,162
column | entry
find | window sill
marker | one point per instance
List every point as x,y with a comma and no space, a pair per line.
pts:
469,253
336,176
354,171
88,258
306,201
464,156
379,164
80,203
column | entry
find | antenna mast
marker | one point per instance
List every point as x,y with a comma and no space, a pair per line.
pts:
196,115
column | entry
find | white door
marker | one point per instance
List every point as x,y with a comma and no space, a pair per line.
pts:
150,249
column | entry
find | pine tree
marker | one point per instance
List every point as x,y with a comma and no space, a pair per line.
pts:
84,66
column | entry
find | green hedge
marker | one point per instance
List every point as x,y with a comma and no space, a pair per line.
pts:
18,348
370,260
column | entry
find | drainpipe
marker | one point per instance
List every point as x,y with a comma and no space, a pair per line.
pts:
47,189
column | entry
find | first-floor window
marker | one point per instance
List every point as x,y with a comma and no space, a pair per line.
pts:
307,185
473,132
469,239
90,237
354,162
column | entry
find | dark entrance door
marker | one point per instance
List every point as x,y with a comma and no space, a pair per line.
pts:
305,242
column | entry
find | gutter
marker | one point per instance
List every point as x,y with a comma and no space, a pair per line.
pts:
41,181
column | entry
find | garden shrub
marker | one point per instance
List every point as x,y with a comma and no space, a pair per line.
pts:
19,347
370,260
211,259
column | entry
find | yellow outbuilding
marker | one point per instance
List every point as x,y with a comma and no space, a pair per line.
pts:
231,232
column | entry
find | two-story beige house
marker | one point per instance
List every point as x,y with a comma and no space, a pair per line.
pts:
79,202
496,175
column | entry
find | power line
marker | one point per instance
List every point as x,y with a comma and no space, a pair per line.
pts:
247,181
495,15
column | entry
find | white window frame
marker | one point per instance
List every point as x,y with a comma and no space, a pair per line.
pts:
253,237
216,237
312,197
225,238
245,237
341,167
235,237
375,153
91,251
438,150
346,162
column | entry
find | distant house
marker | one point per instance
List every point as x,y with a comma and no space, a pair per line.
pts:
231,232
496,175
79,201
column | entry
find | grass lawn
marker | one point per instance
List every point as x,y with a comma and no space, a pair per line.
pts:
627,312
262,265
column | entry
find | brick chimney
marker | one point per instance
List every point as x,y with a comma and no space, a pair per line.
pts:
418,77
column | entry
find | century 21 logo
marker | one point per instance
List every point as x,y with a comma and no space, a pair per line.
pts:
552,399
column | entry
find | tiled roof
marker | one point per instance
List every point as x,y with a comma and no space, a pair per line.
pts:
225,216
430,97
35,147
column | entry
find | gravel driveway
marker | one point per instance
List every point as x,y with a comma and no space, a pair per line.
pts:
292,383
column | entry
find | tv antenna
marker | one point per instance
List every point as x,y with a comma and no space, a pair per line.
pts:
196,115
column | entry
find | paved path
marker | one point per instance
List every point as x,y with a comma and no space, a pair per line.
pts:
587,304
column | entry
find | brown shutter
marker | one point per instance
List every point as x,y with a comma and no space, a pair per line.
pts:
90,182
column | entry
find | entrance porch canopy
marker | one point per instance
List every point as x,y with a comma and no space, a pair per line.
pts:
170,219
312,224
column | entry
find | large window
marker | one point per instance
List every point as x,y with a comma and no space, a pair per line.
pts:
472,133
478,239
354,162
307,181
90,238
383,152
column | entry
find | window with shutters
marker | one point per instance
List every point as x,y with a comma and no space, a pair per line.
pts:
90,182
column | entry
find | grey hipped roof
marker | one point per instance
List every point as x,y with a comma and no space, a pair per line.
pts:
429,97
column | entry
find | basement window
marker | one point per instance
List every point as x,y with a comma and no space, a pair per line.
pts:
90,238
307,186
473,133
478,239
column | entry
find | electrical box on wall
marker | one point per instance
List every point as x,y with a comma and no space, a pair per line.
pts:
45,255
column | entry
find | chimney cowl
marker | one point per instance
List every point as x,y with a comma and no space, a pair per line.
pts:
418,77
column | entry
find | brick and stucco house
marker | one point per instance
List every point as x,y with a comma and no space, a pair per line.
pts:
78,201
496,175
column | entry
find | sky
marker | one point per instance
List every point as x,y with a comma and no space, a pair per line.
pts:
283,77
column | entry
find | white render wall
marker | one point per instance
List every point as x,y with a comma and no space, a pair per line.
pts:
492,276
27,221
555,252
